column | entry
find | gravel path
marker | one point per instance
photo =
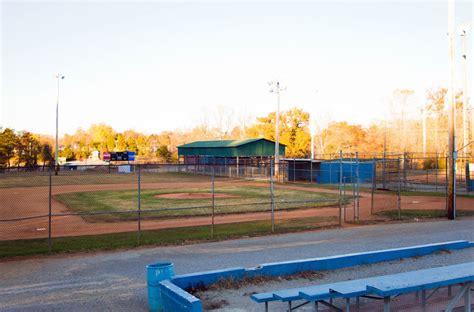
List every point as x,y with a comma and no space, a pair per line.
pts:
117,280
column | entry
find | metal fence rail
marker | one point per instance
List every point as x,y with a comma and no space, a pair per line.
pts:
86,200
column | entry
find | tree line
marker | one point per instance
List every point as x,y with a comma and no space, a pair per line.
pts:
399,133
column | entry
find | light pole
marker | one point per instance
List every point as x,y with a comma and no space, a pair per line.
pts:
276,88
452,155
56,162
463,29
312,131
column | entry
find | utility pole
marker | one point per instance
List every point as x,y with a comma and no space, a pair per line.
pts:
276,88
451,198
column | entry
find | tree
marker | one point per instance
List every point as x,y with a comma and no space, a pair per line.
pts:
344,136
8,143
164,153
294,131
103,137
29,149
47,154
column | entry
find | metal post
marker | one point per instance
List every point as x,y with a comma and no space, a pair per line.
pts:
213,205
374,172
399,206
386,304
436,173
56,158
294,169
345,219
451,206
384,164
49,208
464,92
272,197
446,181
357,186
276,88
139,207
340,187
467,298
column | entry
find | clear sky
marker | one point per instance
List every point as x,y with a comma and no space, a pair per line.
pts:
157,66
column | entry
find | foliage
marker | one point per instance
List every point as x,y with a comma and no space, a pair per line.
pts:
294,131
399,133
8,142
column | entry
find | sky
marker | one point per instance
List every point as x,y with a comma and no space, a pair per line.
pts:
154,66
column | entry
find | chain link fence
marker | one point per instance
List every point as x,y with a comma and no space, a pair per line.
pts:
163,203
153,203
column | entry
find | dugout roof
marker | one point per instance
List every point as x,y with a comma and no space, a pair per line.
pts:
231,148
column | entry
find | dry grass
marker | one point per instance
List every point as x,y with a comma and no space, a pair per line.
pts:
231,283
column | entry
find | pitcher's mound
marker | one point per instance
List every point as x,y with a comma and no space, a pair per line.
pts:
194,195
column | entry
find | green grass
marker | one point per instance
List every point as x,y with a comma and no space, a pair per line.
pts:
422,214
85,178
246,199
164,237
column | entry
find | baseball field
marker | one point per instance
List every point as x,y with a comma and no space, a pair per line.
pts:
95,203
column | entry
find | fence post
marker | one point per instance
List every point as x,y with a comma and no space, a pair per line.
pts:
49,208
294,170
436,173
139,206
357,186
272,197
345,218
374,185
399,199
384,169
446,181
340,188
213,205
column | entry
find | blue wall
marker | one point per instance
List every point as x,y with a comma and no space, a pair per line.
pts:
329,172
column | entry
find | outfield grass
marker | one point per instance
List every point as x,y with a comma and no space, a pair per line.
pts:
164,237
245,199
411,214
86,178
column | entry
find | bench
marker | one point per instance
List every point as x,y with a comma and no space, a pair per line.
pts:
380,287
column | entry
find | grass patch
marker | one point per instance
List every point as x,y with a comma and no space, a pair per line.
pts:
86,178
422,214
245,199
164,237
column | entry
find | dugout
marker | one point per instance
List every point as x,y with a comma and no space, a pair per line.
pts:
330,171
327,172
303,169
249,152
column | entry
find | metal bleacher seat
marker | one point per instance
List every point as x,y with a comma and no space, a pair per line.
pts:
381,287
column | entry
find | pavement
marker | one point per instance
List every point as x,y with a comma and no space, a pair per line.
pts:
116,281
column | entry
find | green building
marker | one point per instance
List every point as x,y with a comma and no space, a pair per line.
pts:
229,152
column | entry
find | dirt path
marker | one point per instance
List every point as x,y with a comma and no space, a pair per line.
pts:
33,201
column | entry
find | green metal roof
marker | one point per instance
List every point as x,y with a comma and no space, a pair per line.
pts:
219,143
231,148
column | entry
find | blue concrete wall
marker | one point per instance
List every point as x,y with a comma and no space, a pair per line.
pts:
329,172
176,299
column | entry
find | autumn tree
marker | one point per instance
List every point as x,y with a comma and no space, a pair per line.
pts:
294,131
8,142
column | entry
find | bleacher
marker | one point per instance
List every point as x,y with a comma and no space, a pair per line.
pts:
383,287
